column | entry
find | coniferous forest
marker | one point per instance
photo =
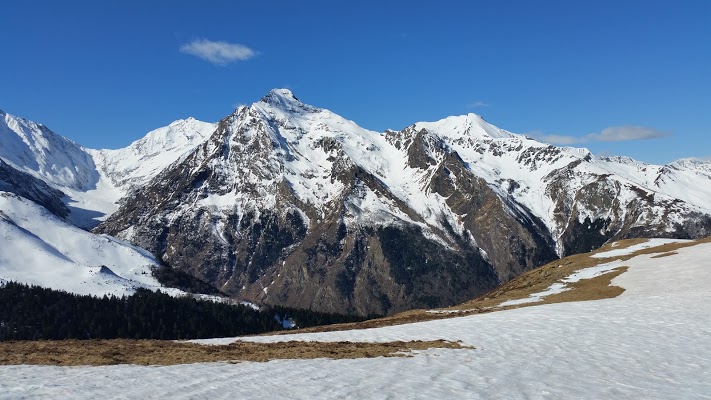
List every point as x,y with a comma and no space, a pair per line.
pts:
33,313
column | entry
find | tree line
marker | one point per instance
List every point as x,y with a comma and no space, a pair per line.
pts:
34,313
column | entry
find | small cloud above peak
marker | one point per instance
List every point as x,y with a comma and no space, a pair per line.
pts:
478,104
218,53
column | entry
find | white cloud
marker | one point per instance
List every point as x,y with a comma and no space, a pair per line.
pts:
611,134
219,53
478,104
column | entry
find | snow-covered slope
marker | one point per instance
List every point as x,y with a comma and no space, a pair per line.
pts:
651,342
44,248
686,179
33,148
37,247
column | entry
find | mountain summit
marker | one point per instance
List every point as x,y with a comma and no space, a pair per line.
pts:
286,203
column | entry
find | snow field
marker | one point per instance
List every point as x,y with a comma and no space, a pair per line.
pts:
652,342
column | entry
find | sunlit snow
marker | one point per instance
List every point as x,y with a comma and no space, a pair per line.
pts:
36,247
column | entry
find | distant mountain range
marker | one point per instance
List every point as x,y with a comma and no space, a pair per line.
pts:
289,204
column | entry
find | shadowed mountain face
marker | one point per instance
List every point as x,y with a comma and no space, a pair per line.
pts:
290,204
31,188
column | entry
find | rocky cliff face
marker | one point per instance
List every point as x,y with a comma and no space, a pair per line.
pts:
290,204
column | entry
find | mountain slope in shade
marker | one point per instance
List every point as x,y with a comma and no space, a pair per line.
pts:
291,204
31,188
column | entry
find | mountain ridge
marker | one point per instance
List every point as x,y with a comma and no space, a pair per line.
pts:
286,203
289,203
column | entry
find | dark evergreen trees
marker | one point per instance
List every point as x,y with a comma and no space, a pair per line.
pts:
33,312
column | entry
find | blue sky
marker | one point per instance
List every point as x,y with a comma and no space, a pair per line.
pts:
586,73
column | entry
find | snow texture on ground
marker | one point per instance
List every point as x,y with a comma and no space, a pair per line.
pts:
652,342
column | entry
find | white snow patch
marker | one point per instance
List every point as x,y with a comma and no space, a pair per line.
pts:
250,305
641,246
554,288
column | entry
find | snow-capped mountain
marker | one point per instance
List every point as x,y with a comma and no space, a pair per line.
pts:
285,203
49,184
292,204
94,180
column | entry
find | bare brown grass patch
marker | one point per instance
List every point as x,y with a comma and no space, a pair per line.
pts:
158,352
671,253
595,288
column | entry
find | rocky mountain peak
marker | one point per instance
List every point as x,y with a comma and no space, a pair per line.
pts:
284,100
282,93
624,160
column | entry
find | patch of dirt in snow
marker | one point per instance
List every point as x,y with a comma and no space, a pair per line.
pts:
671,253
163,352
